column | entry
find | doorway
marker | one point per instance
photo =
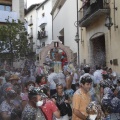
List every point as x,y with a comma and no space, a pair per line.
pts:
98,51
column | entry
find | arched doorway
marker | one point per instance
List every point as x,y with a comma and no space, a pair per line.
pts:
98,51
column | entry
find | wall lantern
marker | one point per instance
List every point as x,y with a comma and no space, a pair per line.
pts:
77,38
108,22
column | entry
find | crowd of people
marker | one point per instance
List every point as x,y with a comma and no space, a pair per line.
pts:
71,94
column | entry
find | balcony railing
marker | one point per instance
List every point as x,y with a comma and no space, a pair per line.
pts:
42,34
30,22
8,14
90,12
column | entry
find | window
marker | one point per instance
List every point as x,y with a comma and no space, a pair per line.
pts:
43,44
5,7
43,7
8,8
43,14
2,7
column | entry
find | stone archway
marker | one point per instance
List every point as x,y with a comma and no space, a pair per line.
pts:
44,52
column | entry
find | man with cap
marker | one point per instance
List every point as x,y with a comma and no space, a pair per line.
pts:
7,107
13,79
2,77
32,110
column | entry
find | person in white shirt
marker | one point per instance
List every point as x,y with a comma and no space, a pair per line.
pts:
52,80
75,79
98,75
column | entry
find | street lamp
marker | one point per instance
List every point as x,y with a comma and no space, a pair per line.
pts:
77,38
77,34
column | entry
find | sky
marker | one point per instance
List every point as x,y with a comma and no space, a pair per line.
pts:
30,2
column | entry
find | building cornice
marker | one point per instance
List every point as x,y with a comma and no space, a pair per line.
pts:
55,6
42,4
30,8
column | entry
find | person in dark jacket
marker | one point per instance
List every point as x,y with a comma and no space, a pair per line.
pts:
63,102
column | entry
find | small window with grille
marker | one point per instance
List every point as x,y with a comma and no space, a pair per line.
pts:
43,14
43,7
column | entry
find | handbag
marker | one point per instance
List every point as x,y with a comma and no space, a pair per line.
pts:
69,109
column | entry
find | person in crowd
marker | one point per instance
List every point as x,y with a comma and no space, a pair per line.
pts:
61,79
118,83
111,104
13,79
41,80
110,71
97,74
81,99
28,77
105,82
75,80
92,90
28,86
32,110
3,90
63,59
63,102
86,72
18,89
7,107
2,77
97,78
114,78
48,106
51,81
69,78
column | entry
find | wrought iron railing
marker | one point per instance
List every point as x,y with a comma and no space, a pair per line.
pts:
90,9
42,34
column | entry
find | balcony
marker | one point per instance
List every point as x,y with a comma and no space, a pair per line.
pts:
30,36
92,12
5,14
30,22
42,34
